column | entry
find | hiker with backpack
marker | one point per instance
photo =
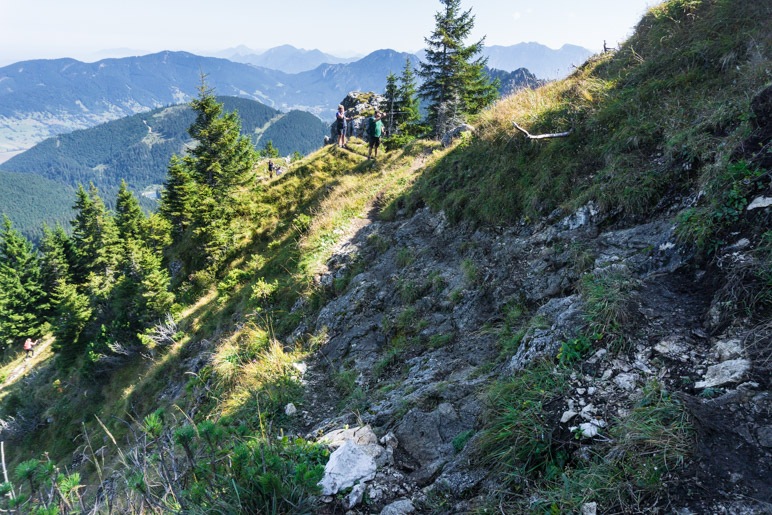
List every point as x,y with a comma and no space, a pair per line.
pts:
374,133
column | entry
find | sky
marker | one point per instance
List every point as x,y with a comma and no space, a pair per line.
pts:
89,30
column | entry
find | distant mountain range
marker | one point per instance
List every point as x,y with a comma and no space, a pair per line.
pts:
285,58
43,98
542,61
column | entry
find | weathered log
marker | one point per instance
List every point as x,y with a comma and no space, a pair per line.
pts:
542,136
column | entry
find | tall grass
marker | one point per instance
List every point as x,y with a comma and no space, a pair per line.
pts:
648,120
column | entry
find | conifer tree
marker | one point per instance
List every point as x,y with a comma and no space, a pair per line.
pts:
95,237
409,115
201,201
178,198
58,256
129,218
72,313
223,158
455,84
392,107
21,293
269,150
141,295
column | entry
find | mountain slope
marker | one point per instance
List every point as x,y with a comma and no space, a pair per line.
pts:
506,325
30,201
137,149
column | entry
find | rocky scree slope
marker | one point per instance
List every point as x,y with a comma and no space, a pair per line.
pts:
420,327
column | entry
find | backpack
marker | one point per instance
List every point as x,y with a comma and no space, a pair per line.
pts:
371,126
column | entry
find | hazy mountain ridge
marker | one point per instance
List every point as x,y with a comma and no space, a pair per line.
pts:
285,58
542,61
42,98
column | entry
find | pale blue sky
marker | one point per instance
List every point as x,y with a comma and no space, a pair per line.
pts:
31,29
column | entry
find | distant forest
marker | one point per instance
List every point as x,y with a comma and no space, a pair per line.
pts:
39,184
137,148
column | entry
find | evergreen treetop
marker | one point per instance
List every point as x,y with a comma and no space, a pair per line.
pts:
455,84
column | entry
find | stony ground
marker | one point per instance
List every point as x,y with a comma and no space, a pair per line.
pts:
444,292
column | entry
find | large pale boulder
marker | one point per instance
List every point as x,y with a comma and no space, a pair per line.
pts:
349,465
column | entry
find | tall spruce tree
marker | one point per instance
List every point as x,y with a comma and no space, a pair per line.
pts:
455,84
96,238
21,295
201,200
56,261
410,114
392,106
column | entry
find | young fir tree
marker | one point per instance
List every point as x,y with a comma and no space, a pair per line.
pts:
223,158
56,261
269,150
392,106
455,84
410,114
141,295
72,313
21,295
129,217
178,198
201,201
96,239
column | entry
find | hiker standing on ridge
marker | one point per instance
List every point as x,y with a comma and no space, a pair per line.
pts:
270,168
340,118
374,132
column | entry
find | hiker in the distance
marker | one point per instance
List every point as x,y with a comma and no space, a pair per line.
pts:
270,168
374,132
29,345
340,119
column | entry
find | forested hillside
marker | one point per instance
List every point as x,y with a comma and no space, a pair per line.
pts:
31,200
136,149
562,306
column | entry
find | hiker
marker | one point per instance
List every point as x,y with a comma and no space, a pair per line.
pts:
340,118
374,132
270,168
28,346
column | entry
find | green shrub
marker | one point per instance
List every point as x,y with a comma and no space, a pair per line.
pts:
607,295
627,470
517,441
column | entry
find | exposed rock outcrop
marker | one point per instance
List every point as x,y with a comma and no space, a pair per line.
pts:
416,327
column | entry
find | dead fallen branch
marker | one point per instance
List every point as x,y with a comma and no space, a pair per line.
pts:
542,136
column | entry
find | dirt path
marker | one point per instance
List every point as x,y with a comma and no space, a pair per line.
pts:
25,364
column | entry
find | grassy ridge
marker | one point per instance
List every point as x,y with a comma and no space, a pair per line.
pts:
664,110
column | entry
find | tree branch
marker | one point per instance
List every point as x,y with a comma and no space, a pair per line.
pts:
542,136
